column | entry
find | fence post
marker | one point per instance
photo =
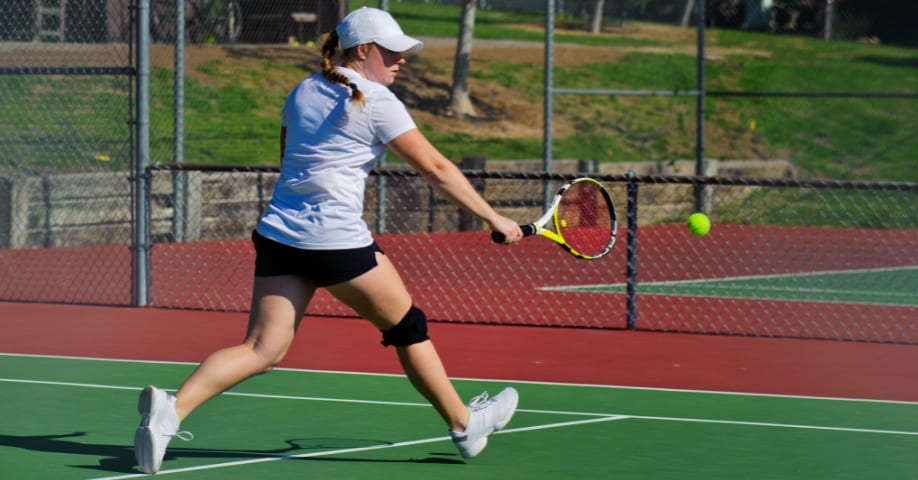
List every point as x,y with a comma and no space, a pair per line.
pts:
381,196
631,273
179,178
141,247
548,102
588,165
7,215
467,221
700,167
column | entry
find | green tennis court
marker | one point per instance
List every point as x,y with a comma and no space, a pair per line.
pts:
890,286
74,418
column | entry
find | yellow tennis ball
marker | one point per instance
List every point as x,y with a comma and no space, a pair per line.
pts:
699,224
563,222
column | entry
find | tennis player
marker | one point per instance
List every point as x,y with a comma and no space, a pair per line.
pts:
335,124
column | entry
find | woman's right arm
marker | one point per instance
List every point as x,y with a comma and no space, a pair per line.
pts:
443,175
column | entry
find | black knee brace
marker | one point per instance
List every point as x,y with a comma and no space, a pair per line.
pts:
410,330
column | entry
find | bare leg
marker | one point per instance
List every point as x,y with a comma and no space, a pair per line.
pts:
424,369
380,296
278,304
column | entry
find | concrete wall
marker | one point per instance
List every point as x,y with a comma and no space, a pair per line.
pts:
58,210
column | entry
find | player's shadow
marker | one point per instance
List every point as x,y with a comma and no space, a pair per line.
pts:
114,458
120,458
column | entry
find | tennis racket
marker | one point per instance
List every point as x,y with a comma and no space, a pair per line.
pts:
581,219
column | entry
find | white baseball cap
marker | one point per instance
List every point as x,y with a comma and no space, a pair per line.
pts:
372,25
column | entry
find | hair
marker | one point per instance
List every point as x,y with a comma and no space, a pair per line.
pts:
329,49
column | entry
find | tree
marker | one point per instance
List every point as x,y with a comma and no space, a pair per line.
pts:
596,25
459,101
687,13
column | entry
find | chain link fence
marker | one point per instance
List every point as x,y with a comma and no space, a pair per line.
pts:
66,148
215,33
787,258
832,19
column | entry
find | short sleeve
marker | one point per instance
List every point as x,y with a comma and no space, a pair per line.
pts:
389,117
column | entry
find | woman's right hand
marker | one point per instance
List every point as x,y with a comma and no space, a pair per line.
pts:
508,228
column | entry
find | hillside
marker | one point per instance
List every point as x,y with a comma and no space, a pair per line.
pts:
243,87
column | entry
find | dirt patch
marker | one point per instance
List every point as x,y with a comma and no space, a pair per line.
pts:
425,80
425,90
424,84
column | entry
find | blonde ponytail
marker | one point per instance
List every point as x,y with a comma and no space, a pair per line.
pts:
329,48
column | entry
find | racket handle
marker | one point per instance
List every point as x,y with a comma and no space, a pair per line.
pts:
528,230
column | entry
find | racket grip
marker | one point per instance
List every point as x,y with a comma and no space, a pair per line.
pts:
528,230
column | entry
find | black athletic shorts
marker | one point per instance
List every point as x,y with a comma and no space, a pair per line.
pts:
321,267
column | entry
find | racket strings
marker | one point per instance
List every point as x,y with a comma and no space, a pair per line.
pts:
585,219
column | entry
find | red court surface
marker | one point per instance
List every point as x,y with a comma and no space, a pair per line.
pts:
588,356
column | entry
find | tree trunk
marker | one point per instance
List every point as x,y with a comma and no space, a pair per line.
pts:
596,26
459,103
687,14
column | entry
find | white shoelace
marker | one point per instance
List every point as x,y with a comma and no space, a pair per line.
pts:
183,435
478,402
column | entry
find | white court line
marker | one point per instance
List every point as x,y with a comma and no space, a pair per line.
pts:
710,284
599,415
598,418
505,381
290,397
342,451
775,425
724,296
739,277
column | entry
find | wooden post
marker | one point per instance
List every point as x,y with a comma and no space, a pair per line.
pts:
467,221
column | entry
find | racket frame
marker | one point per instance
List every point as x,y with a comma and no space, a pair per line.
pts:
538,227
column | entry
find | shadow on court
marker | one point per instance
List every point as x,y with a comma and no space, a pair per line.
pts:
114,458
120,458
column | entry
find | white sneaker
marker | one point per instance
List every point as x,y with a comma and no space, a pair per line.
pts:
486,417
157,427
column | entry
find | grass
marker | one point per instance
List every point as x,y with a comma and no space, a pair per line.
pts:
232,110
829,138
43,123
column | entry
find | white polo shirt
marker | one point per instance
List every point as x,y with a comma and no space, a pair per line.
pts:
331,145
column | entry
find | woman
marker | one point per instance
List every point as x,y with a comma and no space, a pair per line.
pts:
335,124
